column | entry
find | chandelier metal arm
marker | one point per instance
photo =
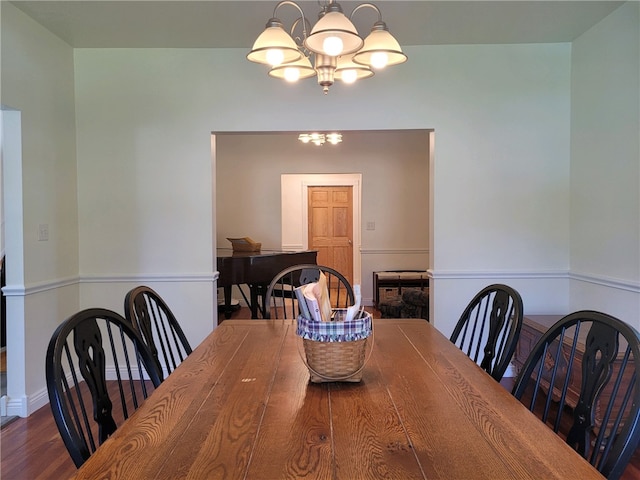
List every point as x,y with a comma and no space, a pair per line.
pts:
305,22
370,5
300,41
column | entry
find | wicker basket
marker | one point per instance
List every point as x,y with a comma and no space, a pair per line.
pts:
244,244
247,247
333,361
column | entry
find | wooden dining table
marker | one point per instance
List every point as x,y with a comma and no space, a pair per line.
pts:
241,406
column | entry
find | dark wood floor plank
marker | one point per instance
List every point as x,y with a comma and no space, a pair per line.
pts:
31,448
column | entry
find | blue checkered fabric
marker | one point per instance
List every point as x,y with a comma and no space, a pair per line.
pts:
334,331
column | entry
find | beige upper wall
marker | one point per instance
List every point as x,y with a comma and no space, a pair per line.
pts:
395,191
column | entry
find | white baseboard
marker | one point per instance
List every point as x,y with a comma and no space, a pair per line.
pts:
511,371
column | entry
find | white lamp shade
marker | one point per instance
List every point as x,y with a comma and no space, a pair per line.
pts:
348,71
380,42
274,40
331,25
298,70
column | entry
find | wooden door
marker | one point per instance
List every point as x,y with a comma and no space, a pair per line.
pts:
331,227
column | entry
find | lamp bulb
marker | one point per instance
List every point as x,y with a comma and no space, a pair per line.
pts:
332,46
349,76
379,59
291,74
274,56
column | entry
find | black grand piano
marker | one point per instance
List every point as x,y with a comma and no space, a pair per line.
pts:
256,270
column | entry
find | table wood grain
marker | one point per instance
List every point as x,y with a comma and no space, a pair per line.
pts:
241,406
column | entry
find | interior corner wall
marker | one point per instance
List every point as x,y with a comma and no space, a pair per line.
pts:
500,191
605,167
38,83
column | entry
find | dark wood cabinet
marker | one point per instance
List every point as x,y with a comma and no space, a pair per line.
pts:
533,326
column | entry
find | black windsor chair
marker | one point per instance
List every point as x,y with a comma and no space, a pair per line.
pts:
98,371
152,318
581,380
489,328
280,299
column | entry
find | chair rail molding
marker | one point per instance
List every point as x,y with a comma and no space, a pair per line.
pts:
39,287
630,285
153,277
292,247
471,274
616,283
22,290
394,251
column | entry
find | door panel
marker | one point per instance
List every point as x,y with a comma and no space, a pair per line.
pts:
331,227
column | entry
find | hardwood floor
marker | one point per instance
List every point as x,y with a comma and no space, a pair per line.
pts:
31,448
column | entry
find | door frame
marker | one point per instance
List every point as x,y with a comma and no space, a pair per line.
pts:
295,211
16,401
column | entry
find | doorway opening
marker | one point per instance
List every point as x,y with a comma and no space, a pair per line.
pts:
252,198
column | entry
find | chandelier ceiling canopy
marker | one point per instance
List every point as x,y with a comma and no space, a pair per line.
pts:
332,49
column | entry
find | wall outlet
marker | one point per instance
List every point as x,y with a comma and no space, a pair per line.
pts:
371,225
43,232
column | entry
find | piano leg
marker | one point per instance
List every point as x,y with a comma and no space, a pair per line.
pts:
256,295
253,289
227,302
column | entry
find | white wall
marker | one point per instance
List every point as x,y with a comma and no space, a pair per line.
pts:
500,176
501,121
145,196
42,276
605,167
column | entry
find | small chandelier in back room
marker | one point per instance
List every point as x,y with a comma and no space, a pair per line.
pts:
335,47
319,139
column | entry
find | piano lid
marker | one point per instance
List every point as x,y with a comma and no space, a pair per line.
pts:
228,252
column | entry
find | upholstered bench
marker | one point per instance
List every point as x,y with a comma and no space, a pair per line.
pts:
415,304
391,307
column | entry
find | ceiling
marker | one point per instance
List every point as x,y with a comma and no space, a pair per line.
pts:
236,24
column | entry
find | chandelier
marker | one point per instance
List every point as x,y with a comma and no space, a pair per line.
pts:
319,139
335,47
